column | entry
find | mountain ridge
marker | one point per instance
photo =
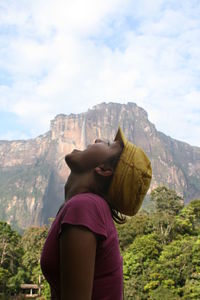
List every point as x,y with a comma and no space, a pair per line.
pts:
33,171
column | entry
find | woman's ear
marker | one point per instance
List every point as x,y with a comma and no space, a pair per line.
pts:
104,171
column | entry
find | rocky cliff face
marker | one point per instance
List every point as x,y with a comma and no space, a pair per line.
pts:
33,172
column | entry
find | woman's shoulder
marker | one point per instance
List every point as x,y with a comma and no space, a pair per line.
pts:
89,210
89,202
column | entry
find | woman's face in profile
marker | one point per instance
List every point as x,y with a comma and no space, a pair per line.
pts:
93,156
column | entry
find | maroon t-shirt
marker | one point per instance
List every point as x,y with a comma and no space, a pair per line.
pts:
91,211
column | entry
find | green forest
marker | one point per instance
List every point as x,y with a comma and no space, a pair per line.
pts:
160,248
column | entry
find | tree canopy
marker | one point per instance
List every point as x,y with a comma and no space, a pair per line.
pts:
160,249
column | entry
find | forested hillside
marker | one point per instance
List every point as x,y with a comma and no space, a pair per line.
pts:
160,248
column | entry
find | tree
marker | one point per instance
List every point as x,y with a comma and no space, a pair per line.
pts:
166,201
138,258
188,220
33,241
10,257
175,266
191,290
163,293
167,205
4,276
20,258
136,226
163,260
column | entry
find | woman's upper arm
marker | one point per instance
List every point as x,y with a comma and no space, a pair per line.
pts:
77,262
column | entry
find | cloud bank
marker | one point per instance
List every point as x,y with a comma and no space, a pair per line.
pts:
66,56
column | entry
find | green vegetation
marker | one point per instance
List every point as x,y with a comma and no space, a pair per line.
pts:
10,258
20,259
160,248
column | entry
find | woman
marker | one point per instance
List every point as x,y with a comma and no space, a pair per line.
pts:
81,258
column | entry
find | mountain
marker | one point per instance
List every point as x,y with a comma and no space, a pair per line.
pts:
33,172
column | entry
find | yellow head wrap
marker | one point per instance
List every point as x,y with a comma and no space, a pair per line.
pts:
131,179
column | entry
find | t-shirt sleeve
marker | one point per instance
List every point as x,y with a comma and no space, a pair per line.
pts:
88,211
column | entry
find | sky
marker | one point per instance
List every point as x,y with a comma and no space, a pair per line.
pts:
66,56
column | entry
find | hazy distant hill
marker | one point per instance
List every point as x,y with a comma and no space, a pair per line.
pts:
33,172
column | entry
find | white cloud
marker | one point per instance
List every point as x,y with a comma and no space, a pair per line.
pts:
66,56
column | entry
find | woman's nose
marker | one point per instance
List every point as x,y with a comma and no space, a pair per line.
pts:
98,141
107,142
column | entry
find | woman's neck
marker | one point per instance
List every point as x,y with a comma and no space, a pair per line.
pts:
77,184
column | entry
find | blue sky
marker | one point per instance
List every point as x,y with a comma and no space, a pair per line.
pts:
66,56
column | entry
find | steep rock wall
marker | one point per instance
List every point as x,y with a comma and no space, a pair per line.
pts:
33,172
